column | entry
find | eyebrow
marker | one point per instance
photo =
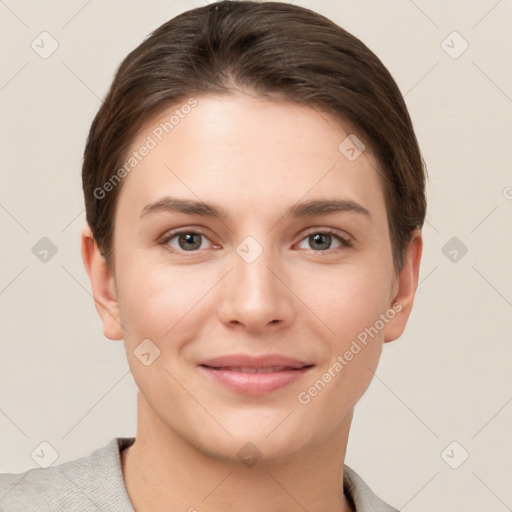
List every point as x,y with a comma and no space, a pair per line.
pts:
299,210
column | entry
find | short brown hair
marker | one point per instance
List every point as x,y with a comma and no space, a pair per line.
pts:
273,49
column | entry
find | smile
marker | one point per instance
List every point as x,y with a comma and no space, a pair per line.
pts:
254,375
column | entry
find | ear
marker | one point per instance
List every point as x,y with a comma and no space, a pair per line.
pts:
407,283
103,286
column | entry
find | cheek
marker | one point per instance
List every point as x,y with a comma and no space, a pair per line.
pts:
154,301
346,301
350,305
351,310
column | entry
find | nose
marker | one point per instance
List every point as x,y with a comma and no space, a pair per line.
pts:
255,294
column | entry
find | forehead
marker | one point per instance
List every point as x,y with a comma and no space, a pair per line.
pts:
249,154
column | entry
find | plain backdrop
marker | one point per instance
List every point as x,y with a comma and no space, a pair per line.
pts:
441,393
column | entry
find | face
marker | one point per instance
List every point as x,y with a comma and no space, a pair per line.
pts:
254,259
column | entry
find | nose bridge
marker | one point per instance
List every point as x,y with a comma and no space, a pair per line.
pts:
255,296
252,264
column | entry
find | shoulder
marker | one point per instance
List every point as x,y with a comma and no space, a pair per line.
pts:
362,497
94,482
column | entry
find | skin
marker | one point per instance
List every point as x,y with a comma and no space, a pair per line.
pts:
256,158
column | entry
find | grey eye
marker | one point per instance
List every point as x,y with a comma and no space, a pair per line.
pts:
320,240
189,241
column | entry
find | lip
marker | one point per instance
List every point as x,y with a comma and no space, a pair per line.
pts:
255,375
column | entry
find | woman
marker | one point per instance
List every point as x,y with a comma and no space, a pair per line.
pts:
255,197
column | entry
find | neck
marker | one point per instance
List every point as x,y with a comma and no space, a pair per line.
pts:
162,471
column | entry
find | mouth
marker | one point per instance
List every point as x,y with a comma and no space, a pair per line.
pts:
255,375
249,369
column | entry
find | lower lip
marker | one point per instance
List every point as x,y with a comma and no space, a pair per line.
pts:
255,383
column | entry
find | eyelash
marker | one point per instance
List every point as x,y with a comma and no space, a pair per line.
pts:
346,243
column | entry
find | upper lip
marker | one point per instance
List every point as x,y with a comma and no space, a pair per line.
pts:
247,361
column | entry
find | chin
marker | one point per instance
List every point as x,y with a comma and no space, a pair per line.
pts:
256,450
254,442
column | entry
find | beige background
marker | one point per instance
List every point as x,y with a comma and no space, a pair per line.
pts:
447,379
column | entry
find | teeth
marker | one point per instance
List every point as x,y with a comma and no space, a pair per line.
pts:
242,369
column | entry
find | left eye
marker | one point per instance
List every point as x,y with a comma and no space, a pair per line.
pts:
322,240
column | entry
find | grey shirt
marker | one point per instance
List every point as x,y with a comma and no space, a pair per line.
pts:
95,483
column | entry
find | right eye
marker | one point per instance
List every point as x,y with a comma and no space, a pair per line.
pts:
185,241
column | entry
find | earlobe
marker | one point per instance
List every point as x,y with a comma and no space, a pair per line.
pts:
407,285
103,286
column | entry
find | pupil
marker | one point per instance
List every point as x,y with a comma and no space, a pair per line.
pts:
188,238
322,236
